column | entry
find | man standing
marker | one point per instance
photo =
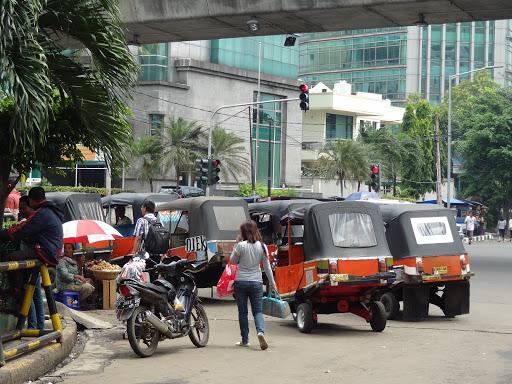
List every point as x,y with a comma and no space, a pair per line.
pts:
142,228
502,224
470,226
36,312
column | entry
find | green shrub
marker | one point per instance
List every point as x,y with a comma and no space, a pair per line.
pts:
245,190
64,188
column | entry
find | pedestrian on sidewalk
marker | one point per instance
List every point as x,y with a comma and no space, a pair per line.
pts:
502,225
510,228
249,253
470,226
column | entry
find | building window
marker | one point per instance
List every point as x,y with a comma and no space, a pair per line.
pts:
156,122
154,62
338,127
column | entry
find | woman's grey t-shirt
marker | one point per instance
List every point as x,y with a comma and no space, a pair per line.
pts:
249,256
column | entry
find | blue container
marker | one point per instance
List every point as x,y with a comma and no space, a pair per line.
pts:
70,299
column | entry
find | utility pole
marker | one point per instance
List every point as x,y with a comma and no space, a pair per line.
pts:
438,159
269,172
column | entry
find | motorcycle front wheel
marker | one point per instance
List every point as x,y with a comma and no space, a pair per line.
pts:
143,337
199,328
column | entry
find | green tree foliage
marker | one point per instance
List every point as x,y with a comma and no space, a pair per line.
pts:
486,143
343,160
181,145
38,125
147,158
418,166
229,149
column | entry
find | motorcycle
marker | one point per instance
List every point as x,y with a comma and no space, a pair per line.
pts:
167,308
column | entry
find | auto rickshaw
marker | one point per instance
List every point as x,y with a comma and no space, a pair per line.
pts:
431,264
268,214
334,259
77,205
132,202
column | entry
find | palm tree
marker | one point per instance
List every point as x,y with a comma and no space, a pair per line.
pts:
181,143
343,160
229,149
35,64
146,152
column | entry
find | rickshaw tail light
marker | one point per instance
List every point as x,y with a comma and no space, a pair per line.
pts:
463,262
383,265
333,266
419,265
125,290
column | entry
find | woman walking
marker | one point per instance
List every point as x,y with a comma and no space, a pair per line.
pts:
249,253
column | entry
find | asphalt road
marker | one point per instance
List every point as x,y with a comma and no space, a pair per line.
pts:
476,348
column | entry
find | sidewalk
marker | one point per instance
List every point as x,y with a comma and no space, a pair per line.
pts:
33,365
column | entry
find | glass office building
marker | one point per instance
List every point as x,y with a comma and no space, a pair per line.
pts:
396,62
372,60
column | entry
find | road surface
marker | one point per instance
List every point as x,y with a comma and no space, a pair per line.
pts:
476,348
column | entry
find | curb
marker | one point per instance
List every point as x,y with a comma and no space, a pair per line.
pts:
479,238
33,365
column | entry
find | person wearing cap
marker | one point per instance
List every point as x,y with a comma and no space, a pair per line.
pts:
41,232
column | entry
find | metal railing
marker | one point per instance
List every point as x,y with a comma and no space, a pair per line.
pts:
42,337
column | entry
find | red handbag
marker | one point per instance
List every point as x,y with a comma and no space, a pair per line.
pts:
225,284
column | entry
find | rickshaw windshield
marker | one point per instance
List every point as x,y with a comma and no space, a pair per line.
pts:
229,218
352,230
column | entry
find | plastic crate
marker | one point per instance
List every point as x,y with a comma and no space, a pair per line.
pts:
70,299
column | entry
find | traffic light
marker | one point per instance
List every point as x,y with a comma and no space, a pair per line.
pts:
375,177
304,97
214,172
201,172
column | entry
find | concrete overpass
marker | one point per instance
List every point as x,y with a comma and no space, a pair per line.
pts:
151,21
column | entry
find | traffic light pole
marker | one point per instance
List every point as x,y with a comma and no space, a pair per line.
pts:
210,130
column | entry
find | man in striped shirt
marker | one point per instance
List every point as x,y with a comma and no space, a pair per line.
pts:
142,228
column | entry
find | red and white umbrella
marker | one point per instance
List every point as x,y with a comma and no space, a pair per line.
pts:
88,231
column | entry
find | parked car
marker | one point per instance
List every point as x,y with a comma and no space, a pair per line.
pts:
183,190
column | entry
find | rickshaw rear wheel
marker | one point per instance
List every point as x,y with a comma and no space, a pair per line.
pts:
391,305
378,320
305,318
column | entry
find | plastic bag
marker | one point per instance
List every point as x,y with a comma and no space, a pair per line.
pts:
134,269
226,281
274,306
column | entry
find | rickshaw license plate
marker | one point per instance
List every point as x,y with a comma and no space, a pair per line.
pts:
339,277
441,270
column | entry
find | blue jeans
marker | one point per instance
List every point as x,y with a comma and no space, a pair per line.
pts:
36,312
252,290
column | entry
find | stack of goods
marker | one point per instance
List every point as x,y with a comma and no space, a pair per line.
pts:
103,270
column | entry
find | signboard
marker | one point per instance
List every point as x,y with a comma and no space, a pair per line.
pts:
195,244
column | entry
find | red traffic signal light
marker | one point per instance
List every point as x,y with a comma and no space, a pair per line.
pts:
304,97
374,169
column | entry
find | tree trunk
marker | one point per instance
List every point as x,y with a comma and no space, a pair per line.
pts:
177,176
341,183
394,184
358,185
151,185
438,162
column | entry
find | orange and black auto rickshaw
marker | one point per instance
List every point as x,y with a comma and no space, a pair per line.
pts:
334,259
430,261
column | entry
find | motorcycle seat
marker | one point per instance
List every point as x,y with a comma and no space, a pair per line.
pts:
156,288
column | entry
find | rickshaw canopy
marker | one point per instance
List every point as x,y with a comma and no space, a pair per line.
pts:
278,208
216,218
341,229
136,200
421,230
77,205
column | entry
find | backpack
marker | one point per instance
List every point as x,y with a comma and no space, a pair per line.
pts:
158,239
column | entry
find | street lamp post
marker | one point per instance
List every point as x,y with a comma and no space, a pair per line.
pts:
449,160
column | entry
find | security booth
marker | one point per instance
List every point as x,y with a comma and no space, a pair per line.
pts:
335,260
204,228
430,261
